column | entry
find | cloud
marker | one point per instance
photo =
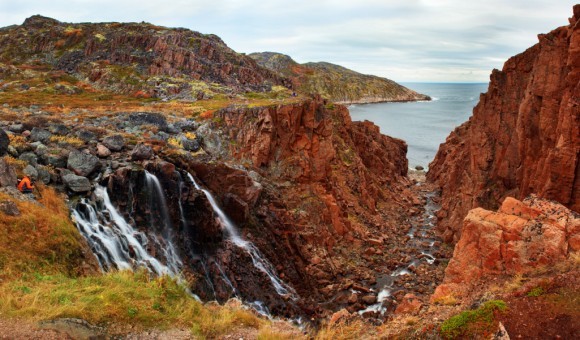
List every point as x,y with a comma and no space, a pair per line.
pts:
415,40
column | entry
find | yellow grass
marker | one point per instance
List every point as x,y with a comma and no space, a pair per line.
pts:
42,239
40,254
121,297
355,329
70,140
447,300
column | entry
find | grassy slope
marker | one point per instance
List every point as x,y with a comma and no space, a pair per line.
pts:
40,255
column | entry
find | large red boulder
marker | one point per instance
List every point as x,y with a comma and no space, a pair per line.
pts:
518,238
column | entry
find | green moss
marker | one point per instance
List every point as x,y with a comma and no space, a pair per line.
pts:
535,292
473,321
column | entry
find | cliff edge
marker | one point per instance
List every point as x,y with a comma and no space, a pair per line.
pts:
523,136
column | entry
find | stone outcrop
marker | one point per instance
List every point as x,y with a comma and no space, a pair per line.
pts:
520,237
523,137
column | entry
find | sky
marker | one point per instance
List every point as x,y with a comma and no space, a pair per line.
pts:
404,40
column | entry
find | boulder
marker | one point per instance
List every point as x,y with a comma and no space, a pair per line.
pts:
148,118
103,151
82,163
76,183
30,171
86,135
9,208
40,135
192,145
29,157
12,151
59,129
43,174
4,142
56,157
141,152
16,128
338,317
7,174
187,125
517,239
114,142
369,299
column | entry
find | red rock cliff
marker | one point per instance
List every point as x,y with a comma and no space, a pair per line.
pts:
523,137
331,190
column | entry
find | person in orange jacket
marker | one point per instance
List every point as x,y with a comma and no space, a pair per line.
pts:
25,185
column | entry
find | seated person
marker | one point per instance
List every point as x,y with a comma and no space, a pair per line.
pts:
25,185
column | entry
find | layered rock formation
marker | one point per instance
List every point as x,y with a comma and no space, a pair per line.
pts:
335,82
523,137
519,238
135,58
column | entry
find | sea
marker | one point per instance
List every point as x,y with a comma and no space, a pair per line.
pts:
423,125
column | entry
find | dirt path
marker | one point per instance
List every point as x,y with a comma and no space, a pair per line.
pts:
20,329
65,329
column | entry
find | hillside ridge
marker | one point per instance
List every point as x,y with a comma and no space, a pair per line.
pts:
335,82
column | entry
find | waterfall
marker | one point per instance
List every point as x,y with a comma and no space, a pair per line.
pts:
226,279
157,200
258,259
115,242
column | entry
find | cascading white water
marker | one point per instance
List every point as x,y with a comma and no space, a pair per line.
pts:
158,201
257,259
114,241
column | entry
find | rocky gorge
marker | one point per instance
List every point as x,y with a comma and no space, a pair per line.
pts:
180,157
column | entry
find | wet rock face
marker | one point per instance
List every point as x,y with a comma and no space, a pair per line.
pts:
523,137
222,269
316,168
4,142
518,238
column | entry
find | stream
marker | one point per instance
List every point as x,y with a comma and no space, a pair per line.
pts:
422,245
